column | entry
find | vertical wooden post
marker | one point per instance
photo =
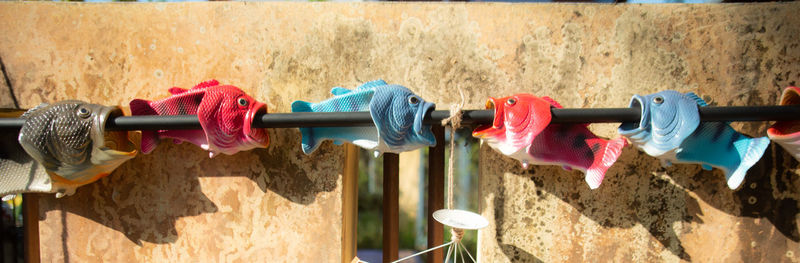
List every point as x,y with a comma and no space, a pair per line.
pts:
391,206
436,194
349,203
30,221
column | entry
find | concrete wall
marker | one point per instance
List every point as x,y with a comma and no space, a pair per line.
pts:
277,204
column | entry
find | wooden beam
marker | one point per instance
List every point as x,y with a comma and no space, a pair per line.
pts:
30,224
436,194
391,206
349,203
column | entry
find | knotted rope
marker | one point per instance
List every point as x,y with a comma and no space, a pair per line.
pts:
454,120
456,234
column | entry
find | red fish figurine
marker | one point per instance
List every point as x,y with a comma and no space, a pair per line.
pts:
225,113
522,129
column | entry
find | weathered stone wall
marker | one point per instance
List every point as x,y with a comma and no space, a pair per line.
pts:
277,204
598,56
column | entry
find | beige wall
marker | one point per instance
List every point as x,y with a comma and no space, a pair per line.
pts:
277,204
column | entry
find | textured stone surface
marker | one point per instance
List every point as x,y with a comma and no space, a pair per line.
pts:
581,55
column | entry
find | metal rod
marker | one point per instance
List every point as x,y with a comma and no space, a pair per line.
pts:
470,117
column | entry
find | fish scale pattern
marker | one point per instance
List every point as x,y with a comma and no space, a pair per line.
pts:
66,147
522,130
225,113
57,135
396,112
670,130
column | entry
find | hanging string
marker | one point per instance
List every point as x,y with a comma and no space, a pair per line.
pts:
455,122
456,234
424,251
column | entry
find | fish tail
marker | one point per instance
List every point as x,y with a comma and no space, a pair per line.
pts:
309,142
149,137
611,150
750,155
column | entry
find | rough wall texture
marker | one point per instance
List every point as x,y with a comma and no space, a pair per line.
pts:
175,204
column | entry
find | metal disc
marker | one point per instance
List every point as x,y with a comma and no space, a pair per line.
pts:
460,219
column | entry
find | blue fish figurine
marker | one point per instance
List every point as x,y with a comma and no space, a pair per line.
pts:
396,111
670,130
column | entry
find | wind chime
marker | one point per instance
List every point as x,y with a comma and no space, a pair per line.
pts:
458,220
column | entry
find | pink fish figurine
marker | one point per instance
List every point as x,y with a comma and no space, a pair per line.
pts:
787,133
225,113
522,130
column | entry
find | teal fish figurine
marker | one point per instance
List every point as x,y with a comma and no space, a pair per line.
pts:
670,130
396,112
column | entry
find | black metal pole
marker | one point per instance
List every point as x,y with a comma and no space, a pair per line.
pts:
470,117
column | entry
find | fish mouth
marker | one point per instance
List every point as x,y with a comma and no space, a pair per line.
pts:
637,101
484,130
418,123
101,115
790,96
257,136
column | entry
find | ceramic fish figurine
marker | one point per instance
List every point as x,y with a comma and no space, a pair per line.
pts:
670,130
522,130
225,113
69,142
787,133
396,111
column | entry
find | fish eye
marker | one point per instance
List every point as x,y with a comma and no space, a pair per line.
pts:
413,100
511,101
84,112
242,102
658,100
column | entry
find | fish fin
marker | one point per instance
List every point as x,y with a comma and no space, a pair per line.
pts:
149,137
34,109
309,143
206,84
336,91
609,155
700,101
177,90
755,149
552,102
372,84
706,167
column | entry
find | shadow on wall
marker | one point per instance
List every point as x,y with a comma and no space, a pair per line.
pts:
146,196
637,191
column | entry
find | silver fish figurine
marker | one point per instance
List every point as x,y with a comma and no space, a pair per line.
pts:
69,140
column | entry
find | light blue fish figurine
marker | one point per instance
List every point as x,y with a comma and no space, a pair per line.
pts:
396,111
670,130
